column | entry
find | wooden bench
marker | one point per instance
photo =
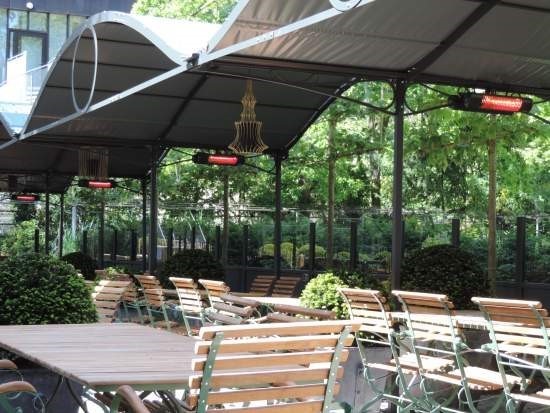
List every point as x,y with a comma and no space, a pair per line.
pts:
520,336
294,313
285,286
276,368
107,296
261,285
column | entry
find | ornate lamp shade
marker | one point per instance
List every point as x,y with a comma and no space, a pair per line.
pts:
248,137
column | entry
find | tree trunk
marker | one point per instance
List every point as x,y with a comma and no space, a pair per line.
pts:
492,217
331,184
225,234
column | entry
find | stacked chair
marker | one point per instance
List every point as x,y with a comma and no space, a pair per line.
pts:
291,313
285,286
107,297
261,285
520,341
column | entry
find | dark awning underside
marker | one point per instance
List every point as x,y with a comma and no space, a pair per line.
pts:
504,46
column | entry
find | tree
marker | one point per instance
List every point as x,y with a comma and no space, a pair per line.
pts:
213,11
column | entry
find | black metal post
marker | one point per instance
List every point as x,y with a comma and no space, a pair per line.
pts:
218,242
353,245
114,250
61,221
312,241
47,218
193,236
403,238
133,245
37,240
102,234
85,242
455,232
153,212
170,243
179,243
144,224
278,215
520,253
397,198
184,239
244,285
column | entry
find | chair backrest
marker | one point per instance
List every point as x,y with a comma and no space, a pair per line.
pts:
106,296
261,285
232,310
516,326
285,286
188,294
290,366
152,290
214,290
285,313
372,309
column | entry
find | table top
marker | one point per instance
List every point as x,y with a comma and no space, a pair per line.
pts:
470,319
105,356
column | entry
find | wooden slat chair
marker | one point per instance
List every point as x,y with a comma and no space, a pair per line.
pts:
433,329
192,306
15,388
285,313
233,310
214,289
272,368
132,299
155,301
107,297
520,342
261,285
285,286
372,309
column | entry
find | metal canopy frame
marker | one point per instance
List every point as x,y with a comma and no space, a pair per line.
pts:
245,59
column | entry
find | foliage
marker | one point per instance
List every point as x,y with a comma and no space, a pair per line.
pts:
211,11
322,291
20,240
24,212
39,289
445,269
82,262
191,263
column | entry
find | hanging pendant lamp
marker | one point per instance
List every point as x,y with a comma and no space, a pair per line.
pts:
248,137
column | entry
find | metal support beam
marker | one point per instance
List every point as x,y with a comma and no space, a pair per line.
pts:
101,246
312,240
455,232
133,245
244,285
153,213
144,224
47,218
397,199
61,222
353,244
36,240
218,242
193,237
85,242
520,253
170,243
278,215
114,251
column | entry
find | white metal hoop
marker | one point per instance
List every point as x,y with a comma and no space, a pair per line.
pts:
92,88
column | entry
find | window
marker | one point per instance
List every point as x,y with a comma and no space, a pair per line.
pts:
38,22
3,42
18,19
74,22
57,34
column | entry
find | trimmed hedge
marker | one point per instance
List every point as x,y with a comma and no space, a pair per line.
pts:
82,262
445,269
39,289
193,264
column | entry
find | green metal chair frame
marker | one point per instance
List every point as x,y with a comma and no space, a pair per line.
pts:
154,298
12,390
523,346
191,303
434,331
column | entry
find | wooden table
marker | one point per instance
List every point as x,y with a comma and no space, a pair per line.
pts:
105,356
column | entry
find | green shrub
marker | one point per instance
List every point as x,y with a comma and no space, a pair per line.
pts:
445,269
322,292
39,289
191,263
20,239
82,262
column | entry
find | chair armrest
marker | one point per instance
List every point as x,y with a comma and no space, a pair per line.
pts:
131,399
17,387
6,364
